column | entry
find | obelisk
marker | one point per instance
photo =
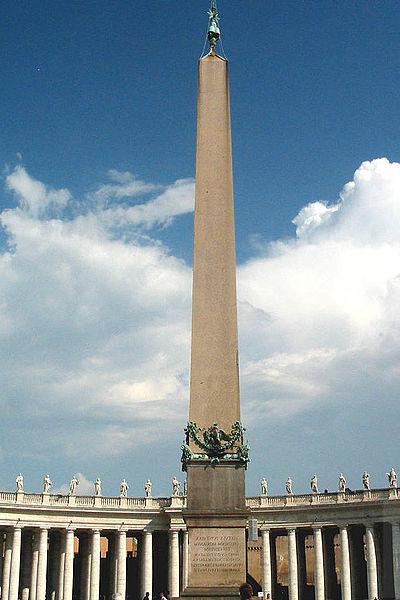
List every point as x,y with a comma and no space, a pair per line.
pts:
214,454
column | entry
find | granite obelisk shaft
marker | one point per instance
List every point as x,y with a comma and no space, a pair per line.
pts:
216,513
214,387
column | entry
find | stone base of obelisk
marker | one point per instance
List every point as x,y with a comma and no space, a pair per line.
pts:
216,518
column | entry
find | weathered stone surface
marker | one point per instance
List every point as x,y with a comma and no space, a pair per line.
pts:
215,557
216,512
214,387
220,488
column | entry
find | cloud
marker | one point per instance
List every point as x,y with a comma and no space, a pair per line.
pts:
177,199
316,306
84,488
94,326
33,196
312,216
124,185
95,315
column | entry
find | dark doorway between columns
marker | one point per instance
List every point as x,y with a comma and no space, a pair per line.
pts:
383,544
330,541
358,565
132,567
305,562
281,571
160,563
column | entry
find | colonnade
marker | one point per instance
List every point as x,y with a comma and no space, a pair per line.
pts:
41,564
356,543
350,562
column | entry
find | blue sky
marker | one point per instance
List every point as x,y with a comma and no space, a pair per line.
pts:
97,154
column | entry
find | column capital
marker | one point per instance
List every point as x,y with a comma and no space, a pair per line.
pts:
317,527
173,530
264,529
291,530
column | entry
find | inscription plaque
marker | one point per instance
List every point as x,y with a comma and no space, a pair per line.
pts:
217,557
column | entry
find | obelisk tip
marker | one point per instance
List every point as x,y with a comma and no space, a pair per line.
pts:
214,31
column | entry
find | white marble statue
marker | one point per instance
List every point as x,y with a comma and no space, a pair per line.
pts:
147,488
365,480
97,487
47,483
123,488
392,476
264,487
20,483
73,484
342,483
314,484
289,489
175,487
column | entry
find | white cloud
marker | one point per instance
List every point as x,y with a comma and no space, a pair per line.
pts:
124,185
33,196
94,327
312,216
176,200
314,307
95,314
85,486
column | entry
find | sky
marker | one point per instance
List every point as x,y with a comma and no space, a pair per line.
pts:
97,144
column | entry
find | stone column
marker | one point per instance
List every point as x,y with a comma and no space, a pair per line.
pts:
293,574
95,566
15,564
26,565
147,564
396,558
266,562
319,578
42,565
121,565
69,565
34,566
345,564
372,575
61,567
7,566
185,559
173,563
